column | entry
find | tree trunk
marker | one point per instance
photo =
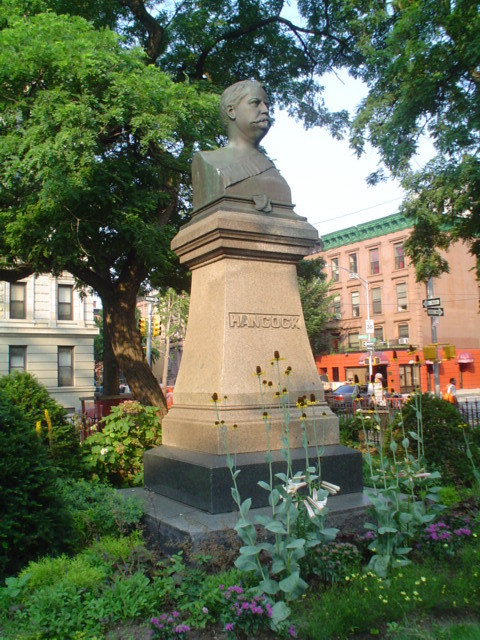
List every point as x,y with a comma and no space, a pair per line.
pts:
119,314
110,366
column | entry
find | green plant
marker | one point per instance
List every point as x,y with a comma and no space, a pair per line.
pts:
58,435
297,522
168,627
333,561
116,453
98,510
404,496
34,520
449,495
443,442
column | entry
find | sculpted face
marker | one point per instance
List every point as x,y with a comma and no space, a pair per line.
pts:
249,119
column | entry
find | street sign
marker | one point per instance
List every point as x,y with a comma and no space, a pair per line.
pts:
369,345
431,302
436,311
369,326
362,337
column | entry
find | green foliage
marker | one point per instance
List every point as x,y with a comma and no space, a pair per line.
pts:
421,62
334,561
443,439
116,453
60,437
34,519
98,510
313,286
364,602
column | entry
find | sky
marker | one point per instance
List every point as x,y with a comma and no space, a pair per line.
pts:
327,180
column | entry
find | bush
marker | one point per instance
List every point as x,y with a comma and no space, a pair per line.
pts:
116,453
98,510
443,439
57,434
34,520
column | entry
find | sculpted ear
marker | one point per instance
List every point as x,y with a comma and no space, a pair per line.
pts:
231,112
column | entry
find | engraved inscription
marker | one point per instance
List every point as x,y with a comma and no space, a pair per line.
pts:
263,321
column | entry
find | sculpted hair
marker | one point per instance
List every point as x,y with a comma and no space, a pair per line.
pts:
232,96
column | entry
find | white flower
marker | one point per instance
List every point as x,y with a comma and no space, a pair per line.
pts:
103,451
318,505
294,485
331,488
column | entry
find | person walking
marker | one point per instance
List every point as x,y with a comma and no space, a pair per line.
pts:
450,394
379,391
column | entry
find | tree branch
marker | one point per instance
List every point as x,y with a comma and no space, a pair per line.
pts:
15,273
154,30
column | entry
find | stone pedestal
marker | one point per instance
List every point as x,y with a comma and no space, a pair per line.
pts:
244,306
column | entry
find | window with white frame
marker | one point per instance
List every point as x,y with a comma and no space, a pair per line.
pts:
65,302
356,304
65,366
335,270
403,331
337,306
402,303
17,358
353,341
18,297
377,300
353,263
399,254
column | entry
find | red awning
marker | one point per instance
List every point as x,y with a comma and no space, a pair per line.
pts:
464,357
376,354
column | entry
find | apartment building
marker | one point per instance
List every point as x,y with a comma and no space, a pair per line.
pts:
47,328
371,279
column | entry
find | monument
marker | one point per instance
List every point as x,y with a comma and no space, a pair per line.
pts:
242,246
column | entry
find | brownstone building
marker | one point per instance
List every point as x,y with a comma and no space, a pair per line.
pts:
375,298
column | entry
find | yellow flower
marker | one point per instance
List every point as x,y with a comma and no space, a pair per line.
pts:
463,426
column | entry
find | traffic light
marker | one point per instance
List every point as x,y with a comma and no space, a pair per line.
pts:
449,351
156,329
142,326
430,352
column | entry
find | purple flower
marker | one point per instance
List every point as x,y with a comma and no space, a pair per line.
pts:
182,628
292,631
204,609
463,531
221,587
235,589
229,626
175,614
269,609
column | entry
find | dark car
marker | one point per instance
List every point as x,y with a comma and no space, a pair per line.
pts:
351,396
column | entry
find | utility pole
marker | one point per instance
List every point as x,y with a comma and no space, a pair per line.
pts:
433,325
150,301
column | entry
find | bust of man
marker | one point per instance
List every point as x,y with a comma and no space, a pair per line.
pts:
240,169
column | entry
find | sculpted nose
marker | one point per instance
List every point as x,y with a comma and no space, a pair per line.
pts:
264,107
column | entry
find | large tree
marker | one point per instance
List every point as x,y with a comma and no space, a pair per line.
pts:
421,61
100,113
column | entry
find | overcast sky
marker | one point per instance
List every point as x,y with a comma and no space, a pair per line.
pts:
327,180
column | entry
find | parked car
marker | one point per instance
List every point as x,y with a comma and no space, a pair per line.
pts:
344,397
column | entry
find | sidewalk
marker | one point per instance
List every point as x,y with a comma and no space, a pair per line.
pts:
466,393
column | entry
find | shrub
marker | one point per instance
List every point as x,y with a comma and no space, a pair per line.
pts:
57,434
443,440
34,519
99,510
116,453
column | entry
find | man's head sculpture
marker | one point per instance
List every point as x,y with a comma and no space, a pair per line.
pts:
244,112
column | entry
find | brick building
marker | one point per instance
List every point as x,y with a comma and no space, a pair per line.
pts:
367,262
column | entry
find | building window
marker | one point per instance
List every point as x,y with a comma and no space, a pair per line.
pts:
377,300
378,334
353,263
403,331
399,255
65,366
17,301
337,307
353,341
17,358
335,270
355,304
402,297
65,302
335,374
374,262
409,377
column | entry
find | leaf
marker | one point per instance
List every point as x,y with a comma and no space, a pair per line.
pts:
278,565
413,435
269,586
245,507
263,485
246,563
280,613
276,527
251,550
383,530
298,543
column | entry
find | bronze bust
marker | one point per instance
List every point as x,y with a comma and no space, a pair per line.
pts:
240,169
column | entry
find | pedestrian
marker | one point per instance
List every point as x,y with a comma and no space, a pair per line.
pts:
450,394
379,391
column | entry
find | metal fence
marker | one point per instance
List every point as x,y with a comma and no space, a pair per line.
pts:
470,410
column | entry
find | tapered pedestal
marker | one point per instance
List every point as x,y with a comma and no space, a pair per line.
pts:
244,306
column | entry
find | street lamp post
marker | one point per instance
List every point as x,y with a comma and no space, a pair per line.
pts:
354,276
